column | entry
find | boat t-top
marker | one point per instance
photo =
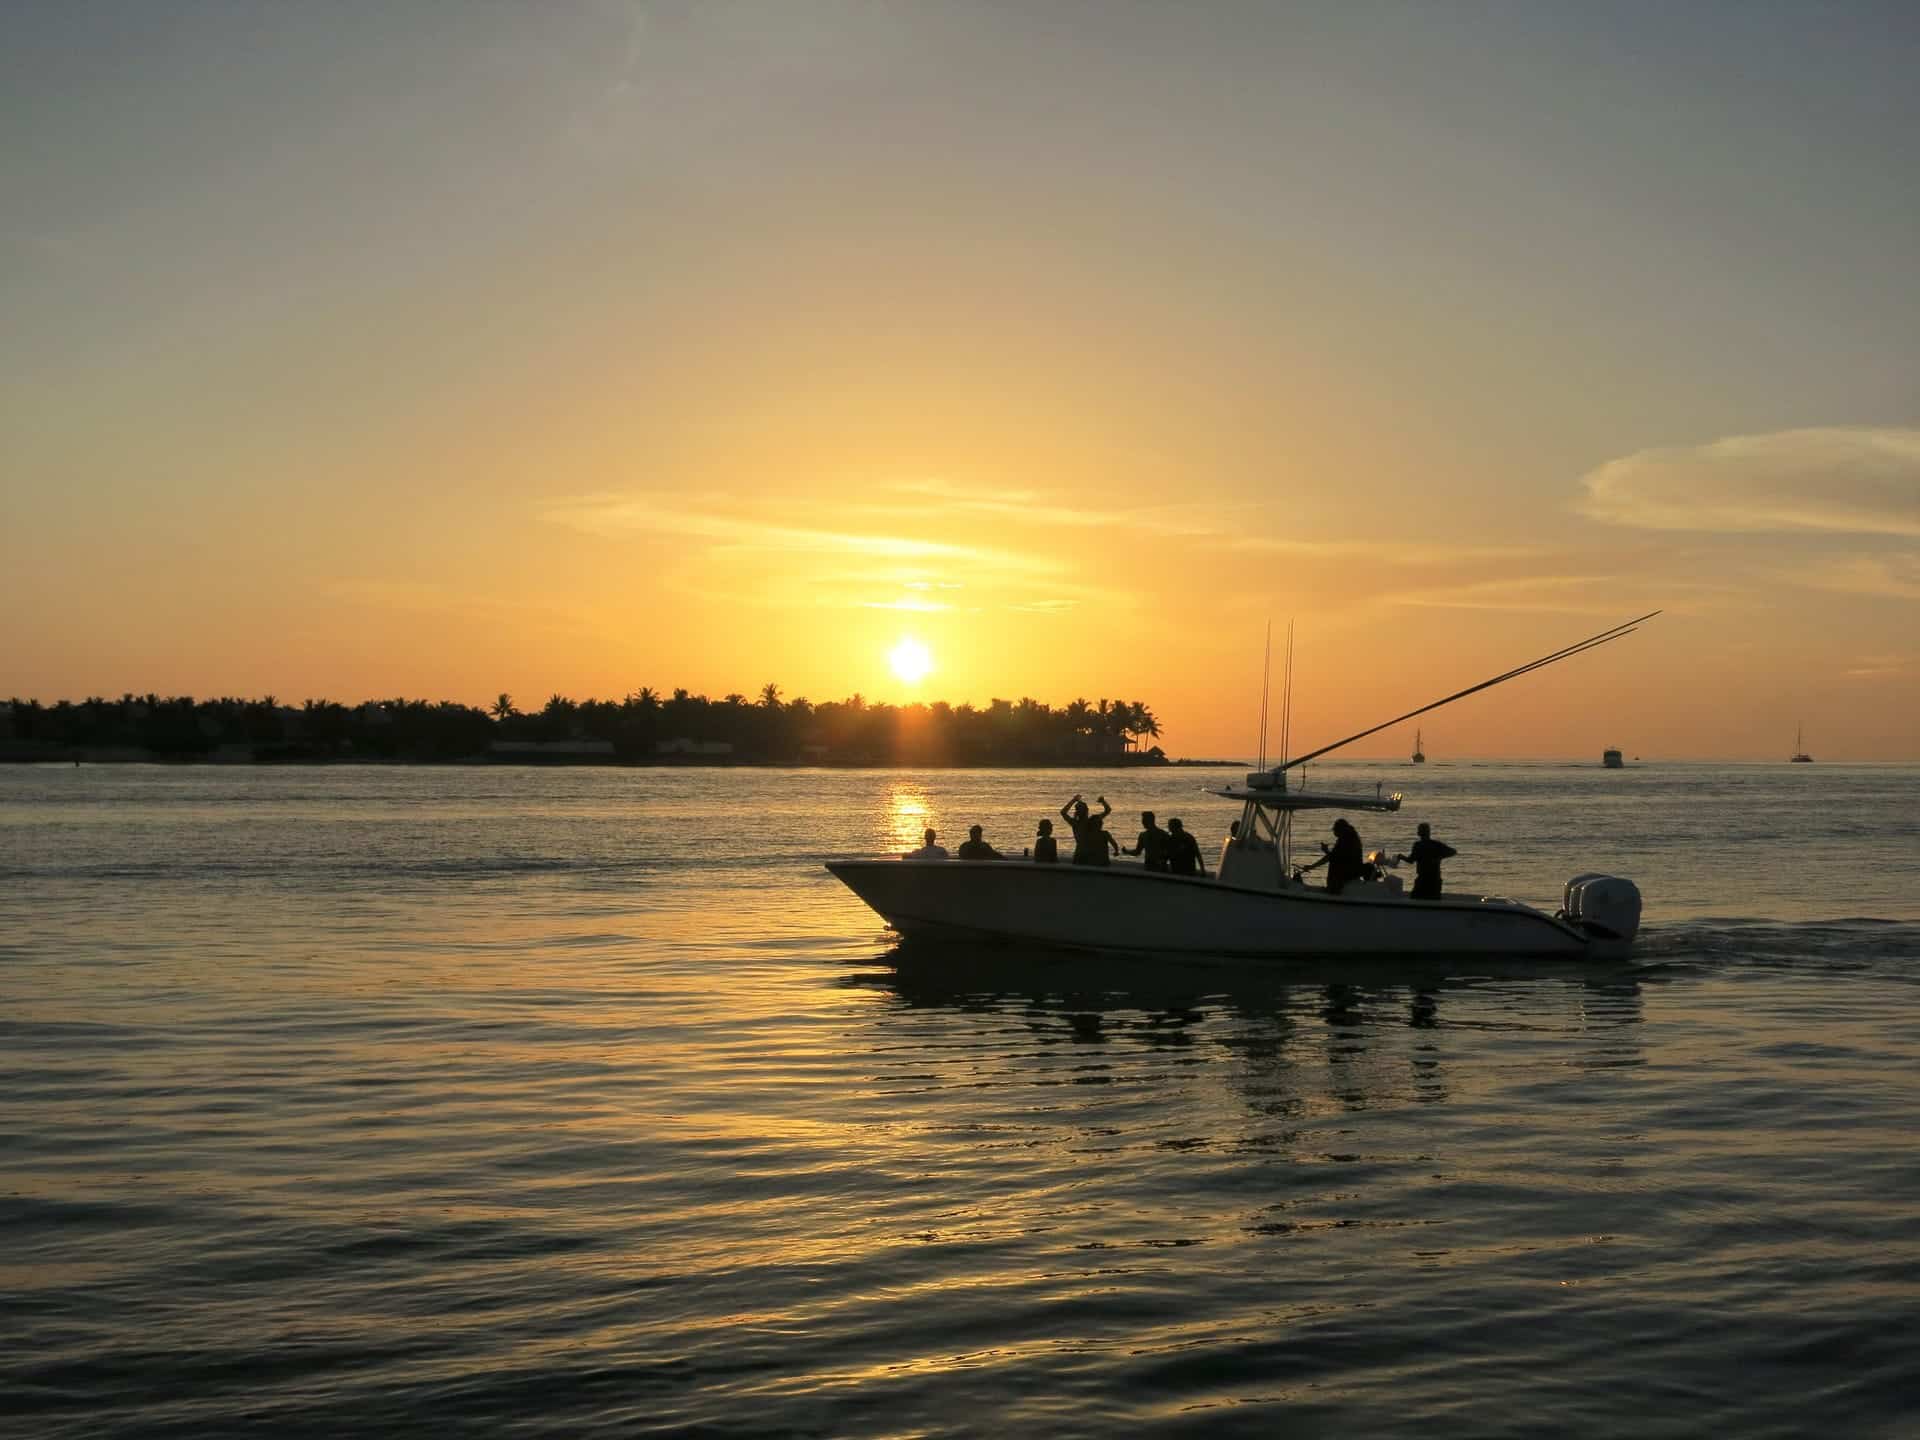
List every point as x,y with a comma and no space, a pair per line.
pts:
1256,904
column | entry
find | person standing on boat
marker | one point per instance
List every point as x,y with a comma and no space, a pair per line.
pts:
975,848
1183,851
1045,850
1426,855
1345,860
1152,846
929,851
1090,837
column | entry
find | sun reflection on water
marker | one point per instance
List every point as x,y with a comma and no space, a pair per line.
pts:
907,816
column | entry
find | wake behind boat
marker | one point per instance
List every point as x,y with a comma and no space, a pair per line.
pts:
1257,904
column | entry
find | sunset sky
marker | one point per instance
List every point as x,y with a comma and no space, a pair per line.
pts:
444,349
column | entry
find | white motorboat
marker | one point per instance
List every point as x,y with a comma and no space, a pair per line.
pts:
1256,904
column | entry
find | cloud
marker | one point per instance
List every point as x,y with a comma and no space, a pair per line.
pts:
1033,507
915,603
1386,552
1571,594
1889,577
1878,667
614,515
1830,481
1563,594
420,597
900,572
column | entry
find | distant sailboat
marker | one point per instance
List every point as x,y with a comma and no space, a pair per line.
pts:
1800,756
1419,755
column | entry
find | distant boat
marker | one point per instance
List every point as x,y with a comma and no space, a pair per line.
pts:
1800,756
1610,757
1419,755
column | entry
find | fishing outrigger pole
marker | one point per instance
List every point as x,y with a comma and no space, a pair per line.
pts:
1565,652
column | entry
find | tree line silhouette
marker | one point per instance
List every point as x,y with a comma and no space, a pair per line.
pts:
644,727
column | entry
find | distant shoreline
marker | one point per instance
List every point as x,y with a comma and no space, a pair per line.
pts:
81,756
11,756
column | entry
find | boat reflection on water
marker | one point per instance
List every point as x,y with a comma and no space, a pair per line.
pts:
957,967
1299,1041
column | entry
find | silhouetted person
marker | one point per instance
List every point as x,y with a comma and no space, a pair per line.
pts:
1045,851
1151,847
1183,851
1090,838
974,848
1344,860
1426,855
928,851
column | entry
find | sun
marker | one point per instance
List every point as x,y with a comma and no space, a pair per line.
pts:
911,661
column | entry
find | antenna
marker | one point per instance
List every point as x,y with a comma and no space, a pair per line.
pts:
1266,677
1566,651
1286,701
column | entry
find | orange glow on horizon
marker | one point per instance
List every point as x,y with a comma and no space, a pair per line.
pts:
691,369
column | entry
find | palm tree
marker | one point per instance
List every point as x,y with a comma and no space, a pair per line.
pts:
770,696
502,707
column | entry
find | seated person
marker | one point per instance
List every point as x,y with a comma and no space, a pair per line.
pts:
1046,851
928,851
974,848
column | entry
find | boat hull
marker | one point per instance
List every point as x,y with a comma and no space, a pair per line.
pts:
1127,909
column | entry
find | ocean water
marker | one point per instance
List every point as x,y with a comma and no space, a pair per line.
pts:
466,1101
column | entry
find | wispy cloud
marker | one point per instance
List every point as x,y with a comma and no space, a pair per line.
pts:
1890,577
1591,594
1564,594
1878,667
913,573
1035,507
1395,552
915,603
616,515
1835,480
415,597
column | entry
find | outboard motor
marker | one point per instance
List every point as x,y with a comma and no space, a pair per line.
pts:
1605,906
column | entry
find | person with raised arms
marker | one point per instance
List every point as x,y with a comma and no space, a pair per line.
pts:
1090,837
